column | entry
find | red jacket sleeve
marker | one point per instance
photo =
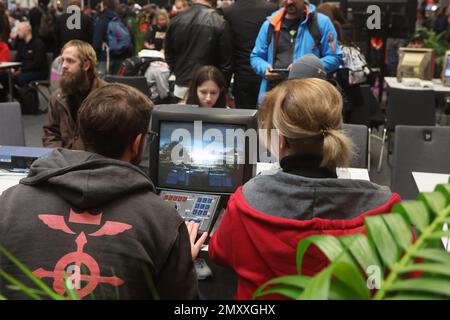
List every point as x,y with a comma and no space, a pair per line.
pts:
221,245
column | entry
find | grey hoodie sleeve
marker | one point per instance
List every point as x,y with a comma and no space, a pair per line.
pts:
178,279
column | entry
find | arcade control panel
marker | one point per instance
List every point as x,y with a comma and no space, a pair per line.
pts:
197,207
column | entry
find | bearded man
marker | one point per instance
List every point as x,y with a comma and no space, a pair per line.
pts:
79,78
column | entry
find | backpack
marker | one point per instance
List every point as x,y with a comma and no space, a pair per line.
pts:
136,66
28,99
355,63
119,38
46,26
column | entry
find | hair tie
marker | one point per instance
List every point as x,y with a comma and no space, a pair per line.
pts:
324,132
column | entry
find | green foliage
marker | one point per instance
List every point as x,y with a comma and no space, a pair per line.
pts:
408,269
435,41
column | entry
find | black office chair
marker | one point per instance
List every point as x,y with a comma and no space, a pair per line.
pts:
45,83
418,149
360,137
407,107
138,82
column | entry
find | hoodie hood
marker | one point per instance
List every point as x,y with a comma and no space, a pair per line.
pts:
87,180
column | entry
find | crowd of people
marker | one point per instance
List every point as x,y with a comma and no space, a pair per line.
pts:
281,63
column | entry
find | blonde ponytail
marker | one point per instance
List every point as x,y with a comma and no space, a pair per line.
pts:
308,112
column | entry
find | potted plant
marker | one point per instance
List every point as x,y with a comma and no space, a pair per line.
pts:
386,264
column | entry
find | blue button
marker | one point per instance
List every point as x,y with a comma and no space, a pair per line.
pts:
200,212
197,206
199,200
202,206
205,213
207,206
209,200
195,211
204,200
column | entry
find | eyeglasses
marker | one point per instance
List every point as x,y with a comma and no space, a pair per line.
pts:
151,135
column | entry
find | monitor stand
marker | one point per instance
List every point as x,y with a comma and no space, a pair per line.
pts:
198,207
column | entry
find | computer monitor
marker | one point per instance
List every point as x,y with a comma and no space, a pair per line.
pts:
446,70
199,149
416,63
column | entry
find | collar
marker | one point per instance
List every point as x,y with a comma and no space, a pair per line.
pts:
306,166
278,17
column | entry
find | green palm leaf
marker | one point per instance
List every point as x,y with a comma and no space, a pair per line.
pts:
417,269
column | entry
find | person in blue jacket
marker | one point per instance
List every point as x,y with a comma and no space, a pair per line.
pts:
289,33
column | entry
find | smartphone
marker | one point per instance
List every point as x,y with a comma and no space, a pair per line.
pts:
280,70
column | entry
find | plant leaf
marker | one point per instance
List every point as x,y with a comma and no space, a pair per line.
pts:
350,274
30,275
445,190
23,288
379,233
399,229
340,291
435,201
415,211
434,268
318,287
437,255
412,296
362,250
434,286
2,297
292,286
329,245
284,290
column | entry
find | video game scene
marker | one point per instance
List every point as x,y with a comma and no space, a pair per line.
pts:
205,165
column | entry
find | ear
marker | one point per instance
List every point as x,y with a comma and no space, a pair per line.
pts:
86,65
136,145
282,142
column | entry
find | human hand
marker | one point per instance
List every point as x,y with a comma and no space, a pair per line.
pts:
271,75
195,246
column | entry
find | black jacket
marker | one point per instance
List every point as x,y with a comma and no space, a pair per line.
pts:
80,207
64,34
245,18
32,55
197,37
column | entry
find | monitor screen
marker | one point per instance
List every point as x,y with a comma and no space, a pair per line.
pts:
199,162
447,67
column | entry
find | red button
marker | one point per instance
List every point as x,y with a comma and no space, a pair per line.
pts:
180,198
165,197
184,198
170,198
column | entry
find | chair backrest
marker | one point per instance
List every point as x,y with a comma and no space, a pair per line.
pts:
418,148
360,137
11,126
411,108
360,104
138,82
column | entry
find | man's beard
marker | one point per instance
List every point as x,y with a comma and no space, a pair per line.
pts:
73,83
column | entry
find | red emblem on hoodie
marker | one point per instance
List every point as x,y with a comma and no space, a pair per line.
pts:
69,272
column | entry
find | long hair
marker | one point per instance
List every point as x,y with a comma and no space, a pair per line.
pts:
203,74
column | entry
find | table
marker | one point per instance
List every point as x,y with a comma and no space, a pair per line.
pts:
437,86
9,179
9,65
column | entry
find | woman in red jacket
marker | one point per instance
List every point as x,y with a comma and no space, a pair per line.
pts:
267,217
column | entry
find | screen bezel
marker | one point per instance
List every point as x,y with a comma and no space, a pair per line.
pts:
184,113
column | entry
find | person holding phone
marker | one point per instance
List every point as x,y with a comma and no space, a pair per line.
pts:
289,33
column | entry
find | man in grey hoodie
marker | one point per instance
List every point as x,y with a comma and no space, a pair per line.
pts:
91,221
